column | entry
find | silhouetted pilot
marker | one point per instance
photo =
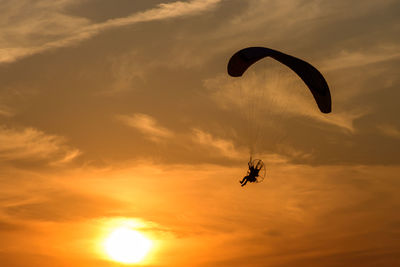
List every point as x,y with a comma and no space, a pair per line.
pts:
252,173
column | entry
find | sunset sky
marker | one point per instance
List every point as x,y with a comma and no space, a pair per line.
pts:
121,114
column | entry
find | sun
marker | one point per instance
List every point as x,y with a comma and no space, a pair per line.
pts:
127,246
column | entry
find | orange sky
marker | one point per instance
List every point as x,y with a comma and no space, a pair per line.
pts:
121,113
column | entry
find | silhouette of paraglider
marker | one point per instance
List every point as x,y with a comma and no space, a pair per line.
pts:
316,83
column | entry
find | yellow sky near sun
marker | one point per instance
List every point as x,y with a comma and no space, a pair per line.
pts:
211,225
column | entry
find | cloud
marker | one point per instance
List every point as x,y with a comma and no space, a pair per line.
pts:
221,146
257,15
351,59
174,9
342,119
48,207
128,71
46,27
6,226
290,152
5,112
30,144
146,125
389,130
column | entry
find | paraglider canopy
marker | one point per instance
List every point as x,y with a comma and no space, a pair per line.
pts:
314,80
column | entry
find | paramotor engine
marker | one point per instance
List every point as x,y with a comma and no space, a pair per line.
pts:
262,172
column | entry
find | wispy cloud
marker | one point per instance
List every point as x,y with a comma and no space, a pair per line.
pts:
351,59
48,207
146,125
221,146
30,144
389,130
56,29
5,112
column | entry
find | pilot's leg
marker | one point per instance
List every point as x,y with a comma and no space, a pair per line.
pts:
244,179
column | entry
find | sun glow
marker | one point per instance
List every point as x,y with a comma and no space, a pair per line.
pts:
127,246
